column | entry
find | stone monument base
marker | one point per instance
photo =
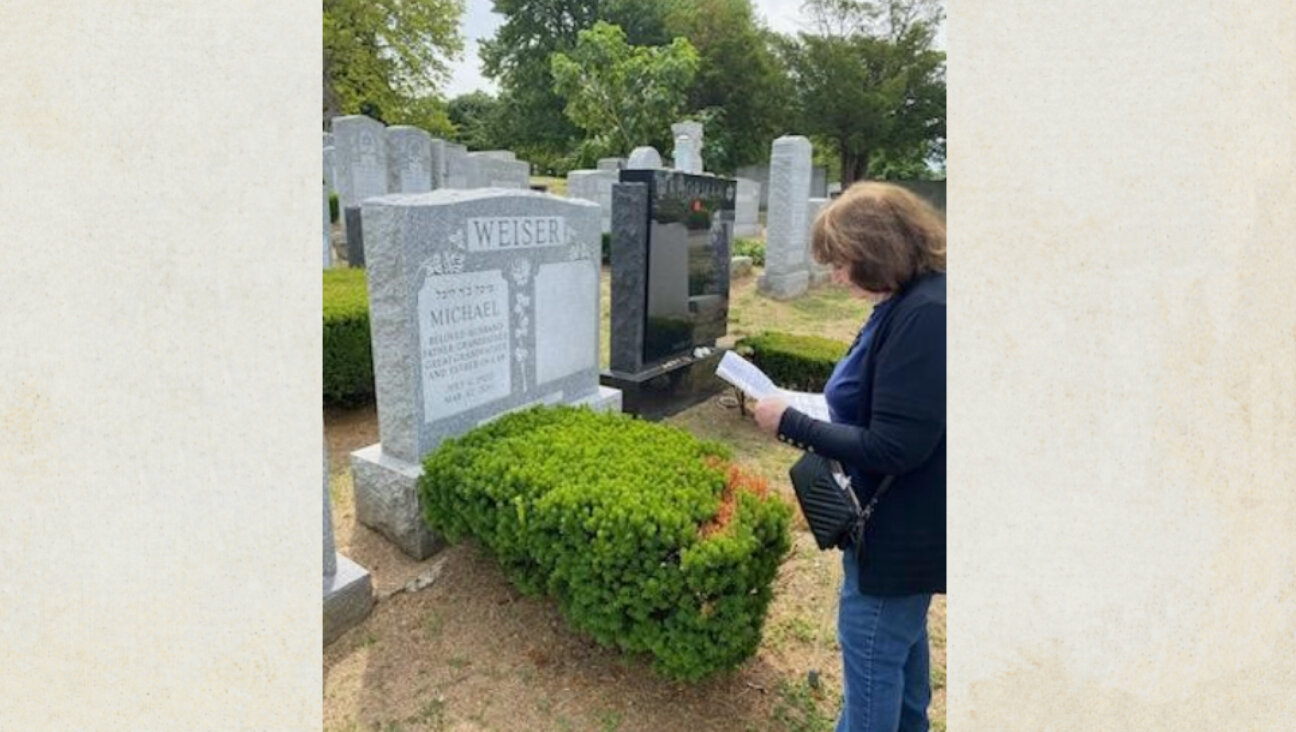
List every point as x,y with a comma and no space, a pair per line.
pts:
348,598
386,489
670,387
739,267
785,286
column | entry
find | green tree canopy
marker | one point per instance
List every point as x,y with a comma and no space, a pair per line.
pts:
742,91
475,117
622,95
517,58
386,58
870,85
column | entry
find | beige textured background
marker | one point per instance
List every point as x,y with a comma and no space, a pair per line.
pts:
160,429
1122,369
1122,381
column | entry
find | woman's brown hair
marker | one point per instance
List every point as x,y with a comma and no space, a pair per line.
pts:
884,235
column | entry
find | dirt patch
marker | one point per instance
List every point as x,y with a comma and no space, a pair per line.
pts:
347,430
469,652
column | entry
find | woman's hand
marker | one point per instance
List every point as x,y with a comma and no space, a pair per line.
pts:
768,413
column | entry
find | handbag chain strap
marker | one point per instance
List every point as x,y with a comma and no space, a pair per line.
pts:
882,489
863,514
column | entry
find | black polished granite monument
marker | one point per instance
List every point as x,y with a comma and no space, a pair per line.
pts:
671,236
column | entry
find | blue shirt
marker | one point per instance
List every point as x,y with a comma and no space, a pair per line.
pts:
842,392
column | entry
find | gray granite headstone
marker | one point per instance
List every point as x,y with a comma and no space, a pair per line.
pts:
456,165
612,164
409,160
481,302
818,181
643,158
360,151
348,588
747,208
596,186
354,222
492,169
682,155
760,174
330,169
787,273
688,152
819,273
328,139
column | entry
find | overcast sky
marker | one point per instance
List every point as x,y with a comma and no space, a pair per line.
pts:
783,16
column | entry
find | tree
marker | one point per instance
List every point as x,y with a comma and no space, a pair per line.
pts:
531,113
623,96
742,89
386,58
475,117
870,83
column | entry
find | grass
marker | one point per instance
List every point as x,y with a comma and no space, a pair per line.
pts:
798,708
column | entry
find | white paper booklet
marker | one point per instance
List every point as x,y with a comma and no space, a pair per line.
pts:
754,383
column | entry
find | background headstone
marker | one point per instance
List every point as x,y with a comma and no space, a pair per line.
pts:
682,155
818,181
481,302
688,157
409,160
456,165
348,588
360,152
747,208
670,262
596,186
613,164
787,272
682,296
330,169
328,139
354,222
643,158
497,169
819,273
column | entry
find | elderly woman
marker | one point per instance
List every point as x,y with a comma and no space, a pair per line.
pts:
886,399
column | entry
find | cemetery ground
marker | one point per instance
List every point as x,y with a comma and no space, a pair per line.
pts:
451,645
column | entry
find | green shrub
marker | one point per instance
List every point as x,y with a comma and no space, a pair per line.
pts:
333,208
348,359
754,248
794,361
648,538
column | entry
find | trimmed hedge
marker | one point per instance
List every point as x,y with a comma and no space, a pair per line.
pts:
333,207
792,361
648,538
754,248
348,359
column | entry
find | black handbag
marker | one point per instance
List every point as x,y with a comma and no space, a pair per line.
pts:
823,491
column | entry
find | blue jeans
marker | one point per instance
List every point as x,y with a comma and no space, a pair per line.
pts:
886,660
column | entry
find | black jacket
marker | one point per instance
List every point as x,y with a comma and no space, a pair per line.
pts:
903,405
